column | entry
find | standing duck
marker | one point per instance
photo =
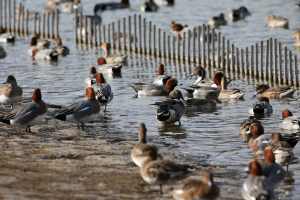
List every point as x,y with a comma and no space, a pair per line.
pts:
91,79
62,50
289,121
162,78
149,6
10,92
115,58
261,106
277,91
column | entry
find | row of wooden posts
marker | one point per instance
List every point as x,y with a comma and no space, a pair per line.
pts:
18,23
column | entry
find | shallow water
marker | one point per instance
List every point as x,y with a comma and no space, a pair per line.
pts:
212,135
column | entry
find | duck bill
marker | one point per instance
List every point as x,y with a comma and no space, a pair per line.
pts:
190,75
255,94
218,101
182,99
5,82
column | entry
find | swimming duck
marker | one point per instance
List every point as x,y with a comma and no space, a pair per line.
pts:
154,90
208,102
114,5
29,114
297,36
105,68
164,2
10,92
239,13
127,38
244,128
195,189
162,78
102,91
62,50
274,21
44,54
2,52
259,141
261,106
217,20
277,91
5,37
81,112
289,121
149,6
33,45
257,186
177,27
95,18
116,58
170,111
232,93
41,42
159,172
91,79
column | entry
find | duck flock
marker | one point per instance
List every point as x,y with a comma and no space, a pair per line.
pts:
276,148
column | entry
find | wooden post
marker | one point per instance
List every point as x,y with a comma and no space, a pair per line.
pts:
280,63
163,45
178,47
14,17
242,61
52,23
95,34
80,27
154,41
149,37
290,68
232,57
208,45
198,44
144,35
183,47
261,59
251,60
275,62
237,59
227,53
247,62
203,44
56,24
85,30
285,66
173,49
99,35
104,33
158,43
256,61
129,33
271,59
4,12
140,34
26,22
124,33
267,60
34,24
47,26
9,16
168,47
219,49
193,46
19,16
213,46
90,31
118,35
296,82
187,58
134,33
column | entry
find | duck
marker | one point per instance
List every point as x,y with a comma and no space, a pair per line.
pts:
41,42
95,18
155,90
289,121
149,6
162,78
82,111
232,93
29,114
102,91
297,36
177,27
105,68
2,52
274,92
244,128
116,58
127,38
239,13
271,170
195,189
33,45
137,149
257,186
170,111
164,2
114,5
5,37
61,50
70,6
261,106
274,21
159,172
44,54
217,20
10,92
259,141
207,103
91,79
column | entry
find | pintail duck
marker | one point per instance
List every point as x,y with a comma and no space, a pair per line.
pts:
159,172
116,58
2,52
274,21
217,20
232,93
70,6
244,128
195,189
62,50
114,5
149,6
91,79
164,2
256,186
5,37
154,90
81,112
44,54
239,13
102,91
297,36
105,68
10,92
261,106
170,111
33,45
278,91
207,103
162,78
29,114
289,121
259,141
95,18
271,170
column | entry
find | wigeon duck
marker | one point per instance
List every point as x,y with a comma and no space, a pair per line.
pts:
170,111
5,37
271,170
33,45
29,114
261,106
149,6
137,150
95,18
154,90
259,141
277,91
195,189
162,78
115,58
239,13
289,121
62,50
44,54
41,42
102,91
127,38
91,79
159,172
274,21
2,52
232,93
244,128
297,36
208,102
257,186
114,5
70,6
282,150
164,2
105,68
217,20
10,92
81,112
53,8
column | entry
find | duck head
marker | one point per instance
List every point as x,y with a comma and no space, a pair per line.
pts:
286,113
161,69
260,89
256,130
90,93
255,168
37,96
100,78
171,83
93,70
101,61
276,137
269,156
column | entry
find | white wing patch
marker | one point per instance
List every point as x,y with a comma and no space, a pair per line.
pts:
83,109
278,171
28,113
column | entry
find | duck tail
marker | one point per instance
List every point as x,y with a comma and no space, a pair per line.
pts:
6,121
191,91
135,89
117,69
60,117
163,113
